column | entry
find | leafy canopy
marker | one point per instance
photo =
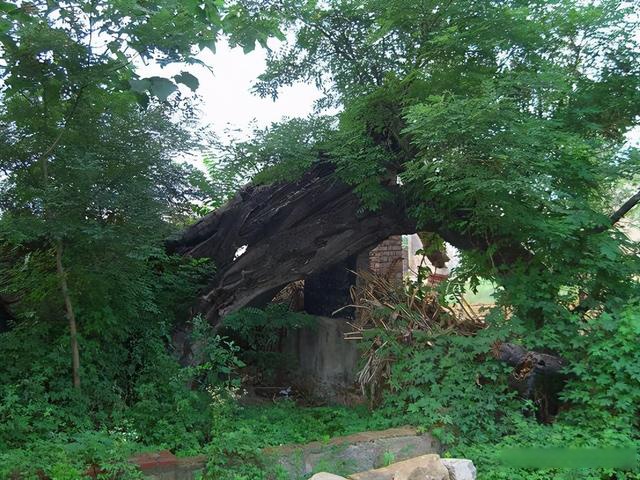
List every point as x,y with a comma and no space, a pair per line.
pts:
507,124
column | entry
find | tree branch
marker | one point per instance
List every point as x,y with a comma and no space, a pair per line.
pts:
625,208
616,216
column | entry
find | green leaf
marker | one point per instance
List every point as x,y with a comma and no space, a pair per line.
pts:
142,99
162,87
210,44
187,79
140,85
8,7
5,26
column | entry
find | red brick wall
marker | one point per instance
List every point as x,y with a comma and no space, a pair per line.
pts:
386,259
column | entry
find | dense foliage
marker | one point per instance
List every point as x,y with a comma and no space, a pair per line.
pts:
507,123
89,190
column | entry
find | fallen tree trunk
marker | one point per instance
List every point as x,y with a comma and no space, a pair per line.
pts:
536,376
271,235
527,361
268,236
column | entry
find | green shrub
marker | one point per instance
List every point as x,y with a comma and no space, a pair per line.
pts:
450,385
261,331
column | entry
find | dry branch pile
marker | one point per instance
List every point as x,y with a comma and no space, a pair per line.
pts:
388,310
392,312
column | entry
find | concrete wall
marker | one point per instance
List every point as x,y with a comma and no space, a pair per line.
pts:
327,363
360,451
353,453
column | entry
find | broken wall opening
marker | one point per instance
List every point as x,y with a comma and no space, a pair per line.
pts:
326,362
329,291
395,258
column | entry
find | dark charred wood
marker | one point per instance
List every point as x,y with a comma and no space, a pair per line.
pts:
536,376
6,317
517,356
290,231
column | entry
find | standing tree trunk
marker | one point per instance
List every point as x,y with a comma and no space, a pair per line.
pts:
73,330
71,316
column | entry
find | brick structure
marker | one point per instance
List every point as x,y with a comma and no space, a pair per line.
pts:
165,465
330,290
387,258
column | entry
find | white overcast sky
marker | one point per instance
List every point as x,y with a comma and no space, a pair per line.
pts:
225,94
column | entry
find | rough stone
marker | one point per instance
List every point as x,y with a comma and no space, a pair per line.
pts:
425,467
460,468
353,453
326,363
326,476
423,473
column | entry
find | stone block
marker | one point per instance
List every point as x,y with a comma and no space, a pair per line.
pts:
165,465
425,467
157,465
460,468
326,476
353,453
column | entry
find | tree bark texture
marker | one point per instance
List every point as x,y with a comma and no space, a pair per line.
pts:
536,376
71,316
268,236
288,231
